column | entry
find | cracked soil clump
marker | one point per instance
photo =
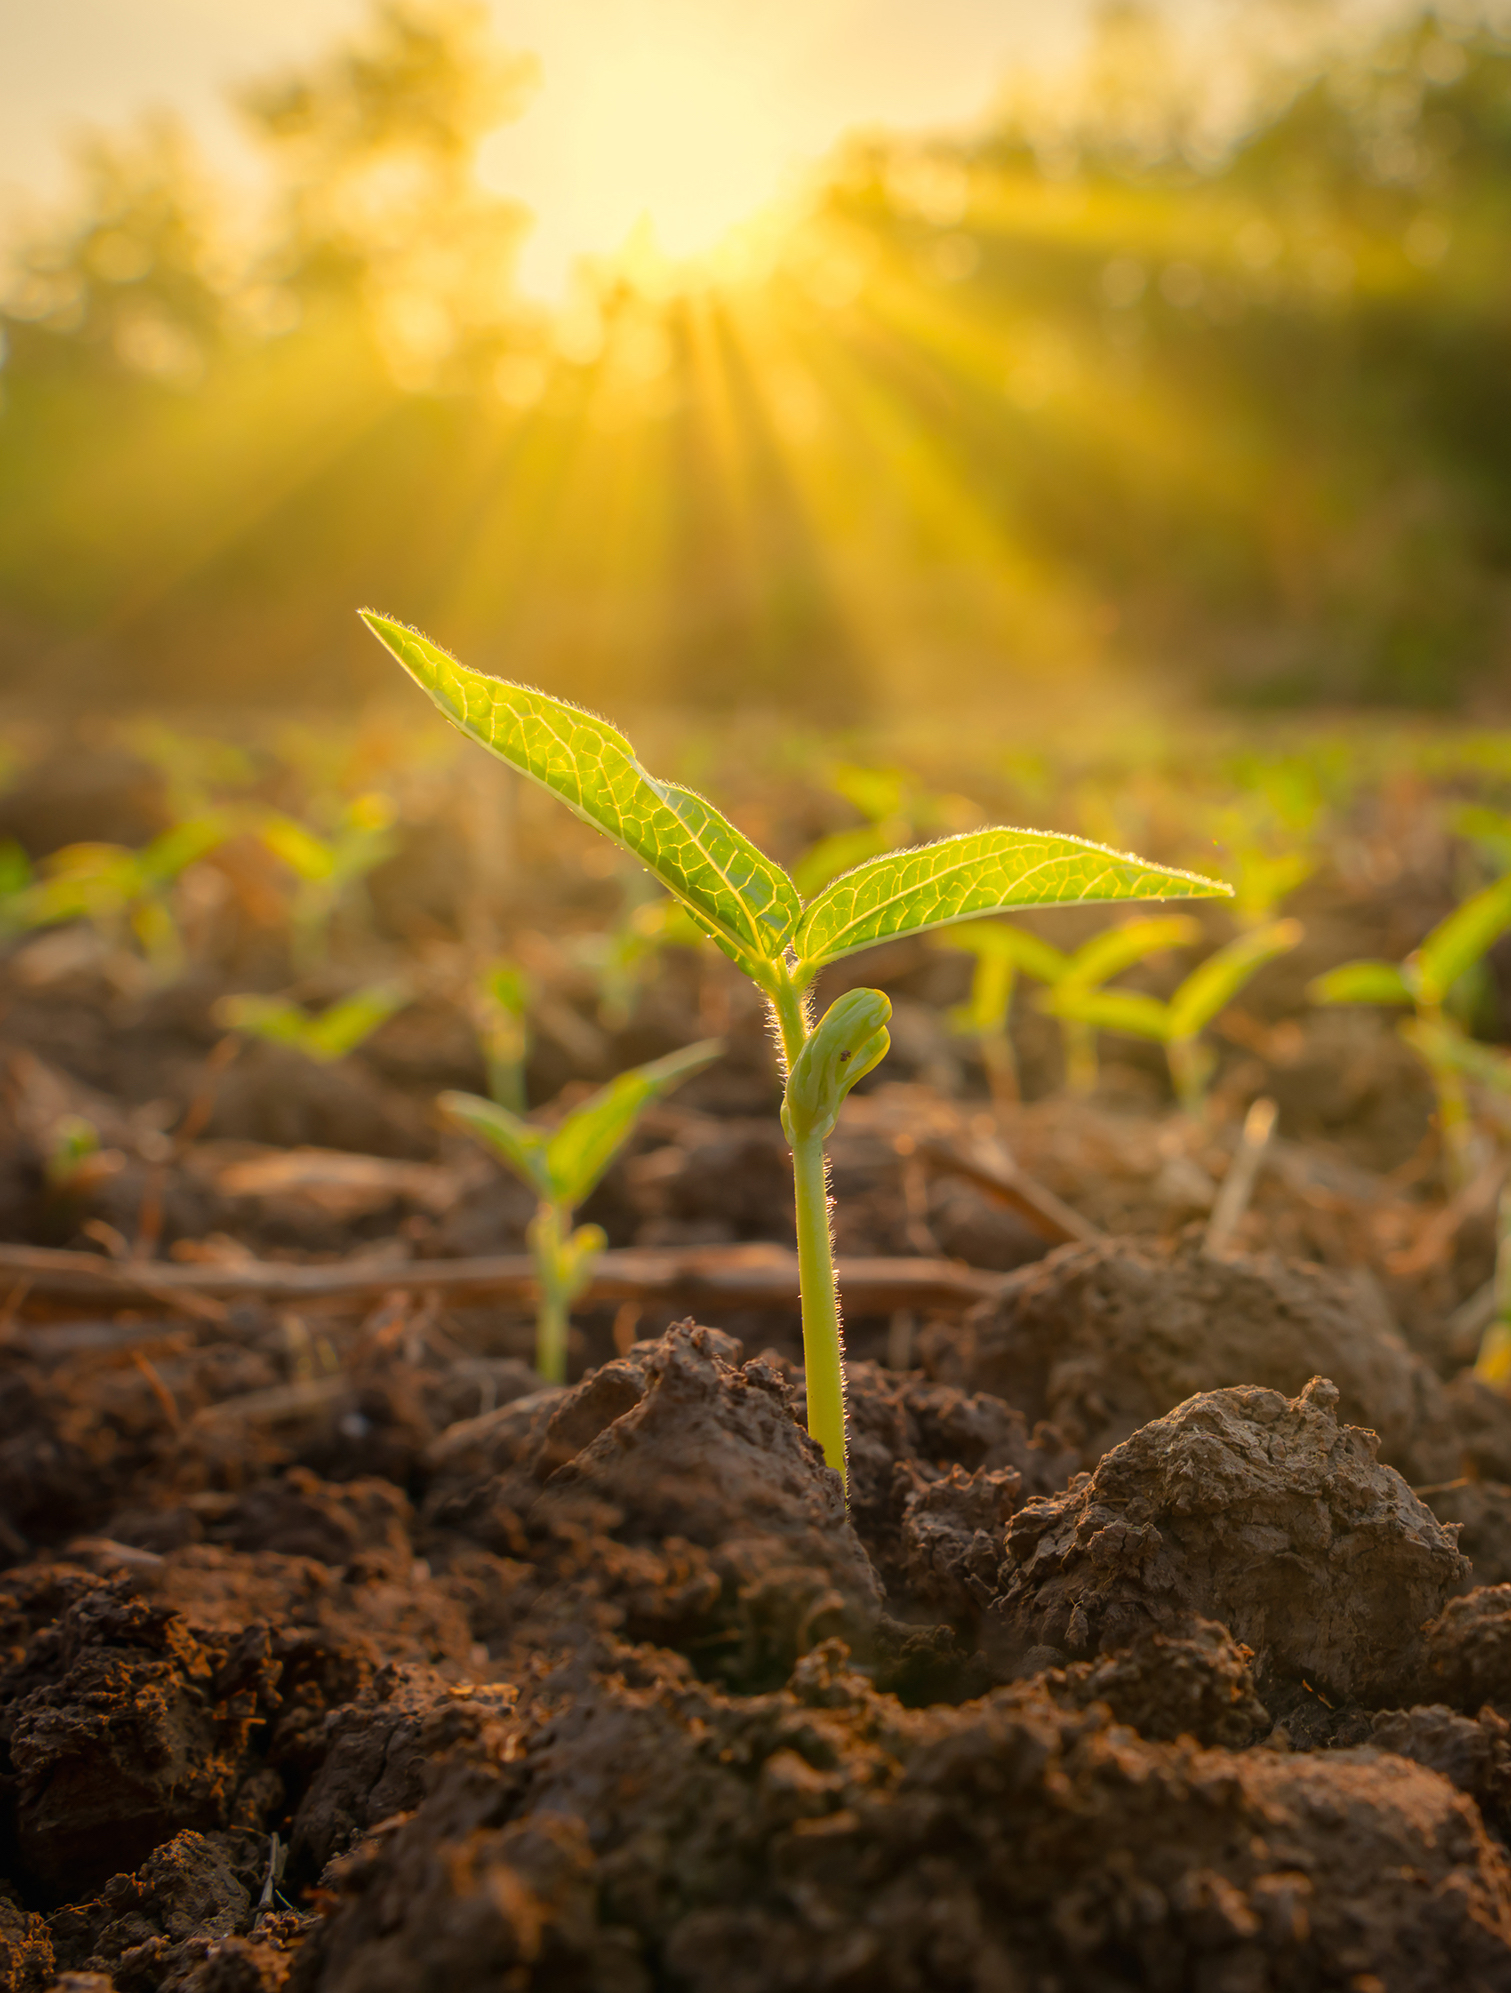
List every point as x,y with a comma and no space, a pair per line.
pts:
1241,1506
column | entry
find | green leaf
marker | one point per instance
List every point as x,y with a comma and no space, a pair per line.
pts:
1458,942
876,793
1107,954
1129,1011
514,1141
983,871
1213,986
582,1148
1362,982
342,1028
176,850
832,855
1443,1045
307,856
327,1038
1000,939
745,901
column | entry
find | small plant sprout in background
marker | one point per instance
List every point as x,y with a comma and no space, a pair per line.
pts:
1493,1364
74,1164
326,869
563,1165
501,998
896,811
336,1032
1270,840
1003,951
1178,1024
984,1016
1429,983
623,960
126,896
752,911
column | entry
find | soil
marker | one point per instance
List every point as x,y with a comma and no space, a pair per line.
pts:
1164,1641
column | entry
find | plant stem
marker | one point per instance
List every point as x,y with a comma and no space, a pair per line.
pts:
823,1340
1079,1041
551,1338
548,1239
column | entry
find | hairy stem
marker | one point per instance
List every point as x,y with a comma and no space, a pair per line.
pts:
823,1340
823,1343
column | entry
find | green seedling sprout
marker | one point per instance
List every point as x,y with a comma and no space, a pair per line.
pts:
501,999
563,1165
1178,1024
1003,951
123,894
623,960
983,1017
1426,983
895,809
1488,830
337,1031
1493,1363
752,910
75,1164
325,869
194,771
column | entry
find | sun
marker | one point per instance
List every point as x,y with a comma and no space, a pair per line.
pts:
674,138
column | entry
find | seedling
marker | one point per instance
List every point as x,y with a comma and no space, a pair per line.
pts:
895,809
1002,951
121,893
1488,830
755,914
623,960
1178,1024
326,868
1493,1364
1427,982
563,1165
500,1008
75,1164
1265,867
337,1031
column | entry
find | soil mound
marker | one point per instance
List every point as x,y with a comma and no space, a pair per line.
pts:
1101,1339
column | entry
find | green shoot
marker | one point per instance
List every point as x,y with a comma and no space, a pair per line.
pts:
337,1031
125,895
16,874
623,960
1425,983
75,1164
192,770
753,912
562,1165
326,868
501,1010
1002,951
1178,1024
895,810
983,1016
1488,830
1493,1364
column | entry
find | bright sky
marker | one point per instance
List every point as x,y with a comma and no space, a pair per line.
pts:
693,111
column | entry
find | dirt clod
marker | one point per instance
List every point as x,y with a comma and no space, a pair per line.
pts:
1102,1339
1244,1507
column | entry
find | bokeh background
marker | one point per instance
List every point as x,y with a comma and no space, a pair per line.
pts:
847,362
